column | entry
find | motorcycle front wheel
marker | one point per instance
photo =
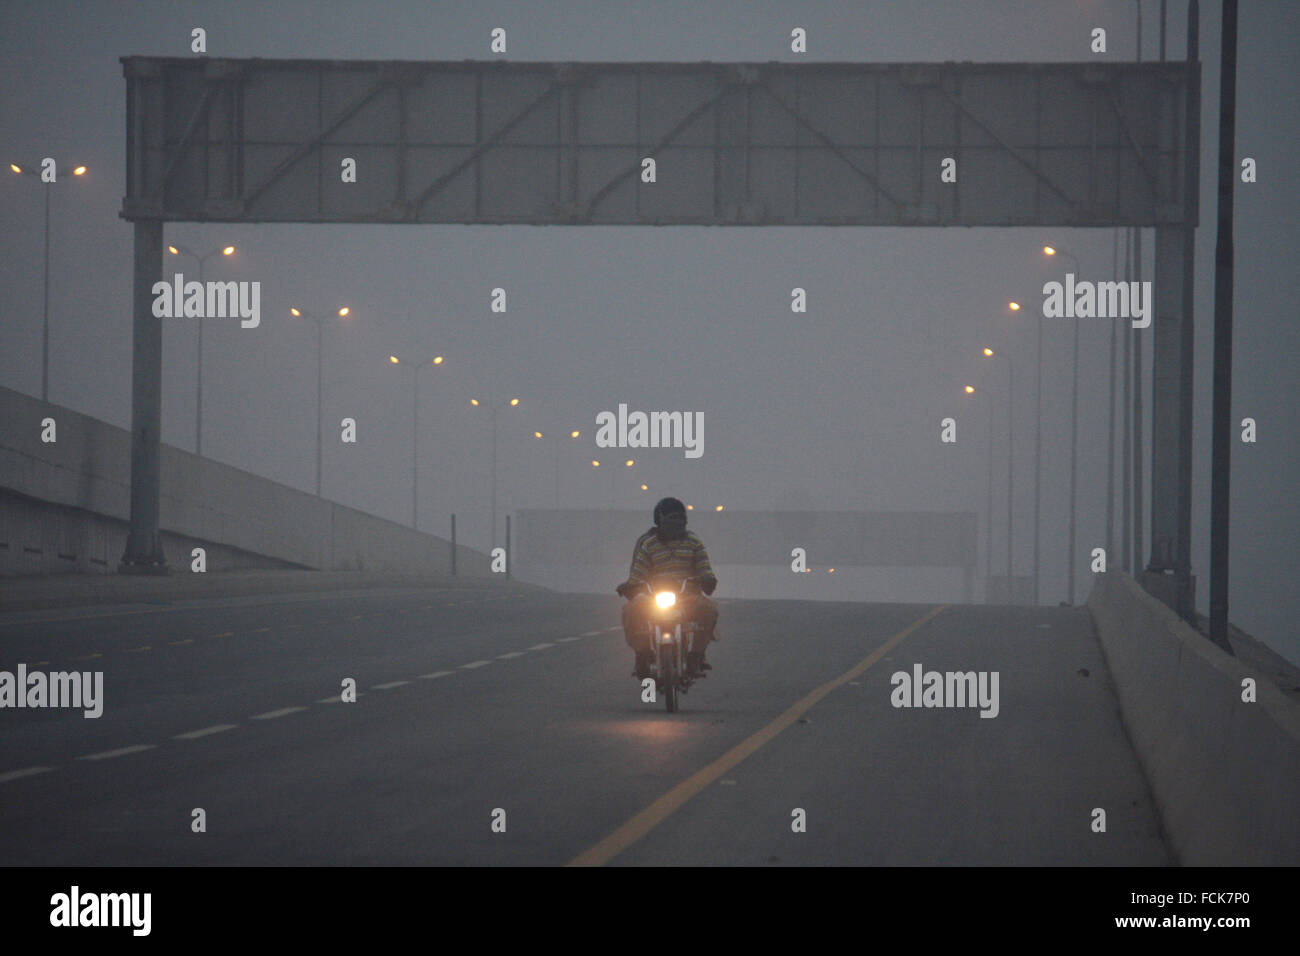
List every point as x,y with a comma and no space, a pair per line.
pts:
668,668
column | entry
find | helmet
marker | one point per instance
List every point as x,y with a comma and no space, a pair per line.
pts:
668,506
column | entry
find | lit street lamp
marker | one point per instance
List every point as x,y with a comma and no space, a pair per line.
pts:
1074,429
198,403
320,362
496,407
1011,404
1038,443
45,326
595,463
988,509
415,431
573,433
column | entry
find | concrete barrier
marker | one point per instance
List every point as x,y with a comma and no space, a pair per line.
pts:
88,469
38,537
1225,773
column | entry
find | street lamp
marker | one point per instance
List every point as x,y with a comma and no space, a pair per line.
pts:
496,407
1011,404
45,325
595,463
627,464
343,313
1074,429
573,433
198,403
1038,442
415,431
988,530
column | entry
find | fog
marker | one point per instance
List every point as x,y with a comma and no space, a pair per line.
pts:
836,408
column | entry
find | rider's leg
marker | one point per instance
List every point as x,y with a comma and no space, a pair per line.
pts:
704,612
635,618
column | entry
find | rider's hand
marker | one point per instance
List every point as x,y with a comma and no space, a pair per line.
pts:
708,583
623,589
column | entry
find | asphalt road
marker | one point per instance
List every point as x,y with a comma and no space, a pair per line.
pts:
519,700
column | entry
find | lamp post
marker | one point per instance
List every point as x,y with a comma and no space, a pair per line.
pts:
415,430
496,407
1011,404
344,312
1074,432
628,463
988,531
1038,442
45,324
1110,416
179,250
572,434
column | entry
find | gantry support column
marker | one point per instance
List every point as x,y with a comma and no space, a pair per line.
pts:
143,550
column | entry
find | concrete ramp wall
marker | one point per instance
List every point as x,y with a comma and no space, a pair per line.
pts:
88,468
1225,773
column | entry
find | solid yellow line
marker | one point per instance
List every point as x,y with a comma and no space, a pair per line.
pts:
670,802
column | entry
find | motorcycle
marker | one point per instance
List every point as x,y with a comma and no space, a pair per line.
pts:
673,640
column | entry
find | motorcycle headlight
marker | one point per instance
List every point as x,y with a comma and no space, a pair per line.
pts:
665,598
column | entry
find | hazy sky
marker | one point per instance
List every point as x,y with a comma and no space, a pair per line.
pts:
837,408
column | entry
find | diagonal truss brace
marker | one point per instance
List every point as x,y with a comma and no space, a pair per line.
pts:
664,141
831,145
1009,149
316,142
474,154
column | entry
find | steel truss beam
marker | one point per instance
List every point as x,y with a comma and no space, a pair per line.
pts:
562,143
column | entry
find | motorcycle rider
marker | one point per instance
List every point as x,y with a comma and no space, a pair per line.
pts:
662,558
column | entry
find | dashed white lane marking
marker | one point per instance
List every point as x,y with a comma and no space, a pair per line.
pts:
25,772
88,657
188,640
284,711
272,714
196,734
119,752
617,627
137,650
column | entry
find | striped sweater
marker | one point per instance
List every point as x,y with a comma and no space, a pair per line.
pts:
667,563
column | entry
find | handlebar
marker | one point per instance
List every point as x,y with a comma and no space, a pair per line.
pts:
644,587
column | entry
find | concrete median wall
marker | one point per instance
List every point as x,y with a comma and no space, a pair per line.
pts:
1225,773
86,472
